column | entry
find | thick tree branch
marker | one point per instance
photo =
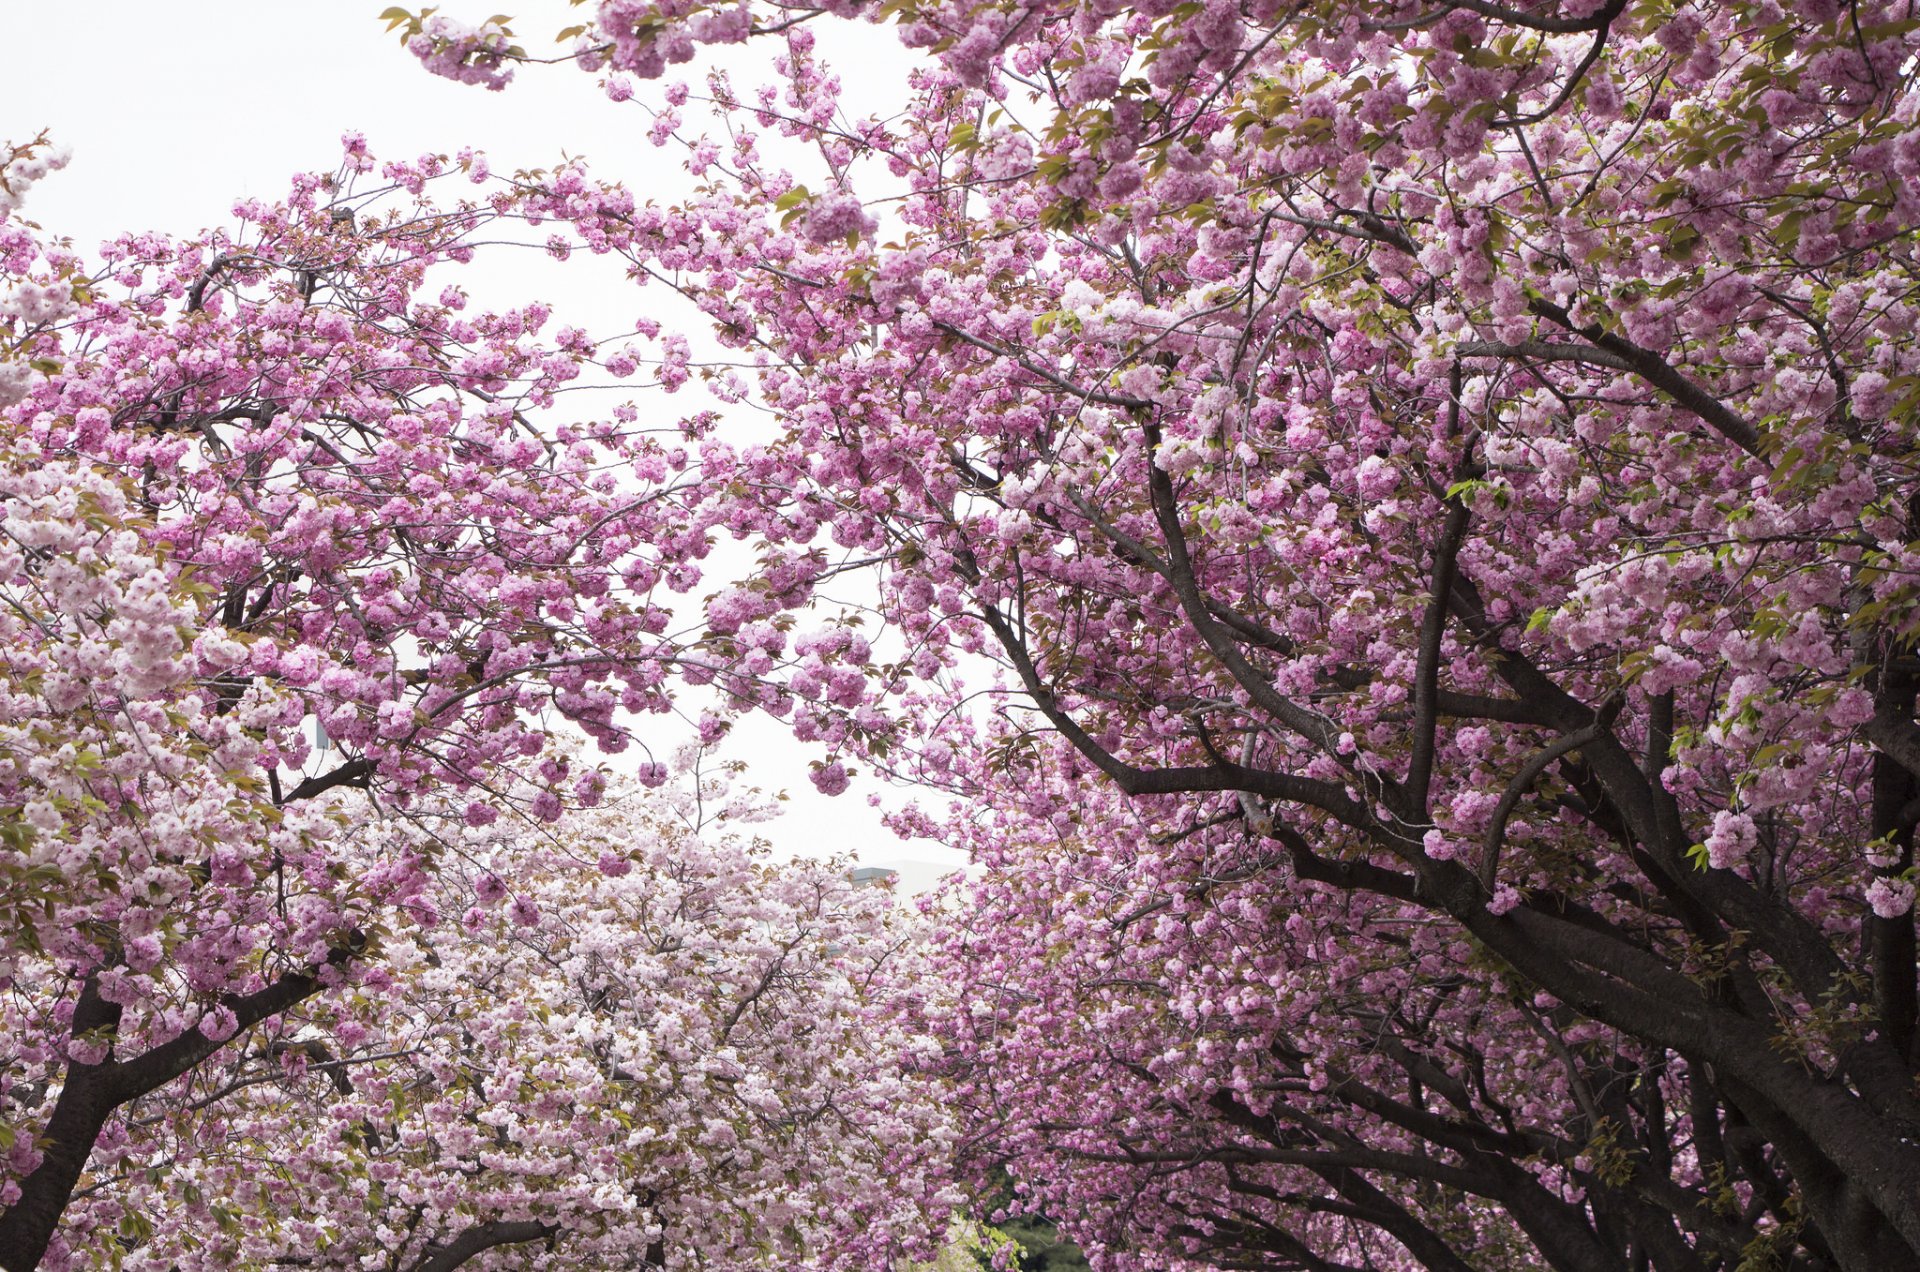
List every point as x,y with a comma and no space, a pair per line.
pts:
1433,624
481,1238
1895,733
1598,21
1662,375
1308,724
1604,18
92,1092
355,773
153,1069
1165,781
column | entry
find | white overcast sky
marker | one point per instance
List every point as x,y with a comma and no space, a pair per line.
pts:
174,110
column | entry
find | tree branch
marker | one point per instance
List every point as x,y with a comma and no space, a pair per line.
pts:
1523,782
479,1239
1662,375
1433,624
355,772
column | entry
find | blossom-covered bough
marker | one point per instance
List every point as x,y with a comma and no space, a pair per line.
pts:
1450,464
253,482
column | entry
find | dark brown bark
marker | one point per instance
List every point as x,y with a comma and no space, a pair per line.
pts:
481,1238
1896,998
92,1092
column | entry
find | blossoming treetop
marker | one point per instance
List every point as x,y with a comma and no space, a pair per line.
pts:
251,479
628,1041
1447,461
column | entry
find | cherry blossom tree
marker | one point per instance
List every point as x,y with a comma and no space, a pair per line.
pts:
253,482
627,1042
1448,463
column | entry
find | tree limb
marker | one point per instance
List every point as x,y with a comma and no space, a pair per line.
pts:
479,1239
